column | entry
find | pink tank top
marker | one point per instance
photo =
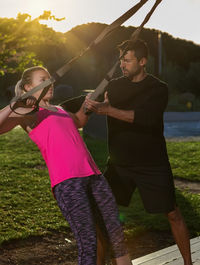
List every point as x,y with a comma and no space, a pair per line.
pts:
62,147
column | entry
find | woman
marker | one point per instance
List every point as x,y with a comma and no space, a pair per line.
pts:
80,189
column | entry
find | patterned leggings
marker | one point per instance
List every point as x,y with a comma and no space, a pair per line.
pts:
81,200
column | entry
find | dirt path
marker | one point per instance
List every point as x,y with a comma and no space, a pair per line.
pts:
55,249
58,248
186,185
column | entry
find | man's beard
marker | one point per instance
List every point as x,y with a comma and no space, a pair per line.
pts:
131,75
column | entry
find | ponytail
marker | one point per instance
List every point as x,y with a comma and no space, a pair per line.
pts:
18,88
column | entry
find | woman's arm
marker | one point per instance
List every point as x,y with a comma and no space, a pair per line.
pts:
10,119
80,118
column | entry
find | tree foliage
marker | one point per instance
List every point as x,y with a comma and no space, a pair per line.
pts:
25,42
20,40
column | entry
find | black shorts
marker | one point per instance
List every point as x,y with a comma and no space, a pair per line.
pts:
155,185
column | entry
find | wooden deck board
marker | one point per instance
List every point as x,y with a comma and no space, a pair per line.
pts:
170,255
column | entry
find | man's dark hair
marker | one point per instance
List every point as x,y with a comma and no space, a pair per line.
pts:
139,47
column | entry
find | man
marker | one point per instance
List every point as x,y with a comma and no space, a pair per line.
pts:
134,105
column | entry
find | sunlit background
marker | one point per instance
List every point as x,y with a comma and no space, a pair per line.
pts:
179,18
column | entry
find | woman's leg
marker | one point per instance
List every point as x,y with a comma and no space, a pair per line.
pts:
107,207
73,201
101,247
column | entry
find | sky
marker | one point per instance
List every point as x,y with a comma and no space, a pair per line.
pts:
179,18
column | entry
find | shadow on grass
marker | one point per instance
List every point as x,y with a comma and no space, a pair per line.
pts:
138,221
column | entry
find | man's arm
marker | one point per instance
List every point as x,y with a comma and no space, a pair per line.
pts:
146,115
104,108
124,115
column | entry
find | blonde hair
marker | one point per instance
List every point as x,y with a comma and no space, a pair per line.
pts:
26,79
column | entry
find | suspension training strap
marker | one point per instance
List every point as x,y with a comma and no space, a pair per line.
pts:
100,89
67,66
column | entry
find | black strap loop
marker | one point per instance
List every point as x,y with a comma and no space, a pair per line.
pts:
25,114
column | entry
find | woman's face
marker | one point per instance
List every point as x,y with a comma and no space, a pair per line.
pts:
38,77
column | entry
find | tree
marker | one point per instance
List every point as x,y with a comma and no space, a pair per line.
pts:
19,37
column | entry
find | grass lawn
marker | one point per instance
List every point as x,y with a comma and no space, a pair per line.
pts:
27,206
185,159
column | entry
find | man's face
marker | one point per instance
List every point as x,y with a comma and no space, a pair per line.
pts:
130,65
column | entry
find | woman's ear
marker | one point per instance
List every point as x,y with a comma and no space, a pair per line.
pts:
27,87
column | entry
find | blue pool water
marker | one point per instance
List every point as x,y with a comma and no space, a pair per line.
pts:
182,129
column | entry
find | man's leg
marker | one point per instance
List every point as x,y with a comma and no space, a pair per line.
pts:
156,187
181,234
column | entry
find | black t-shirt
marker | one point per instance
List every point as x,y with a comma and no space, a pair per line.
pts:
142,142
